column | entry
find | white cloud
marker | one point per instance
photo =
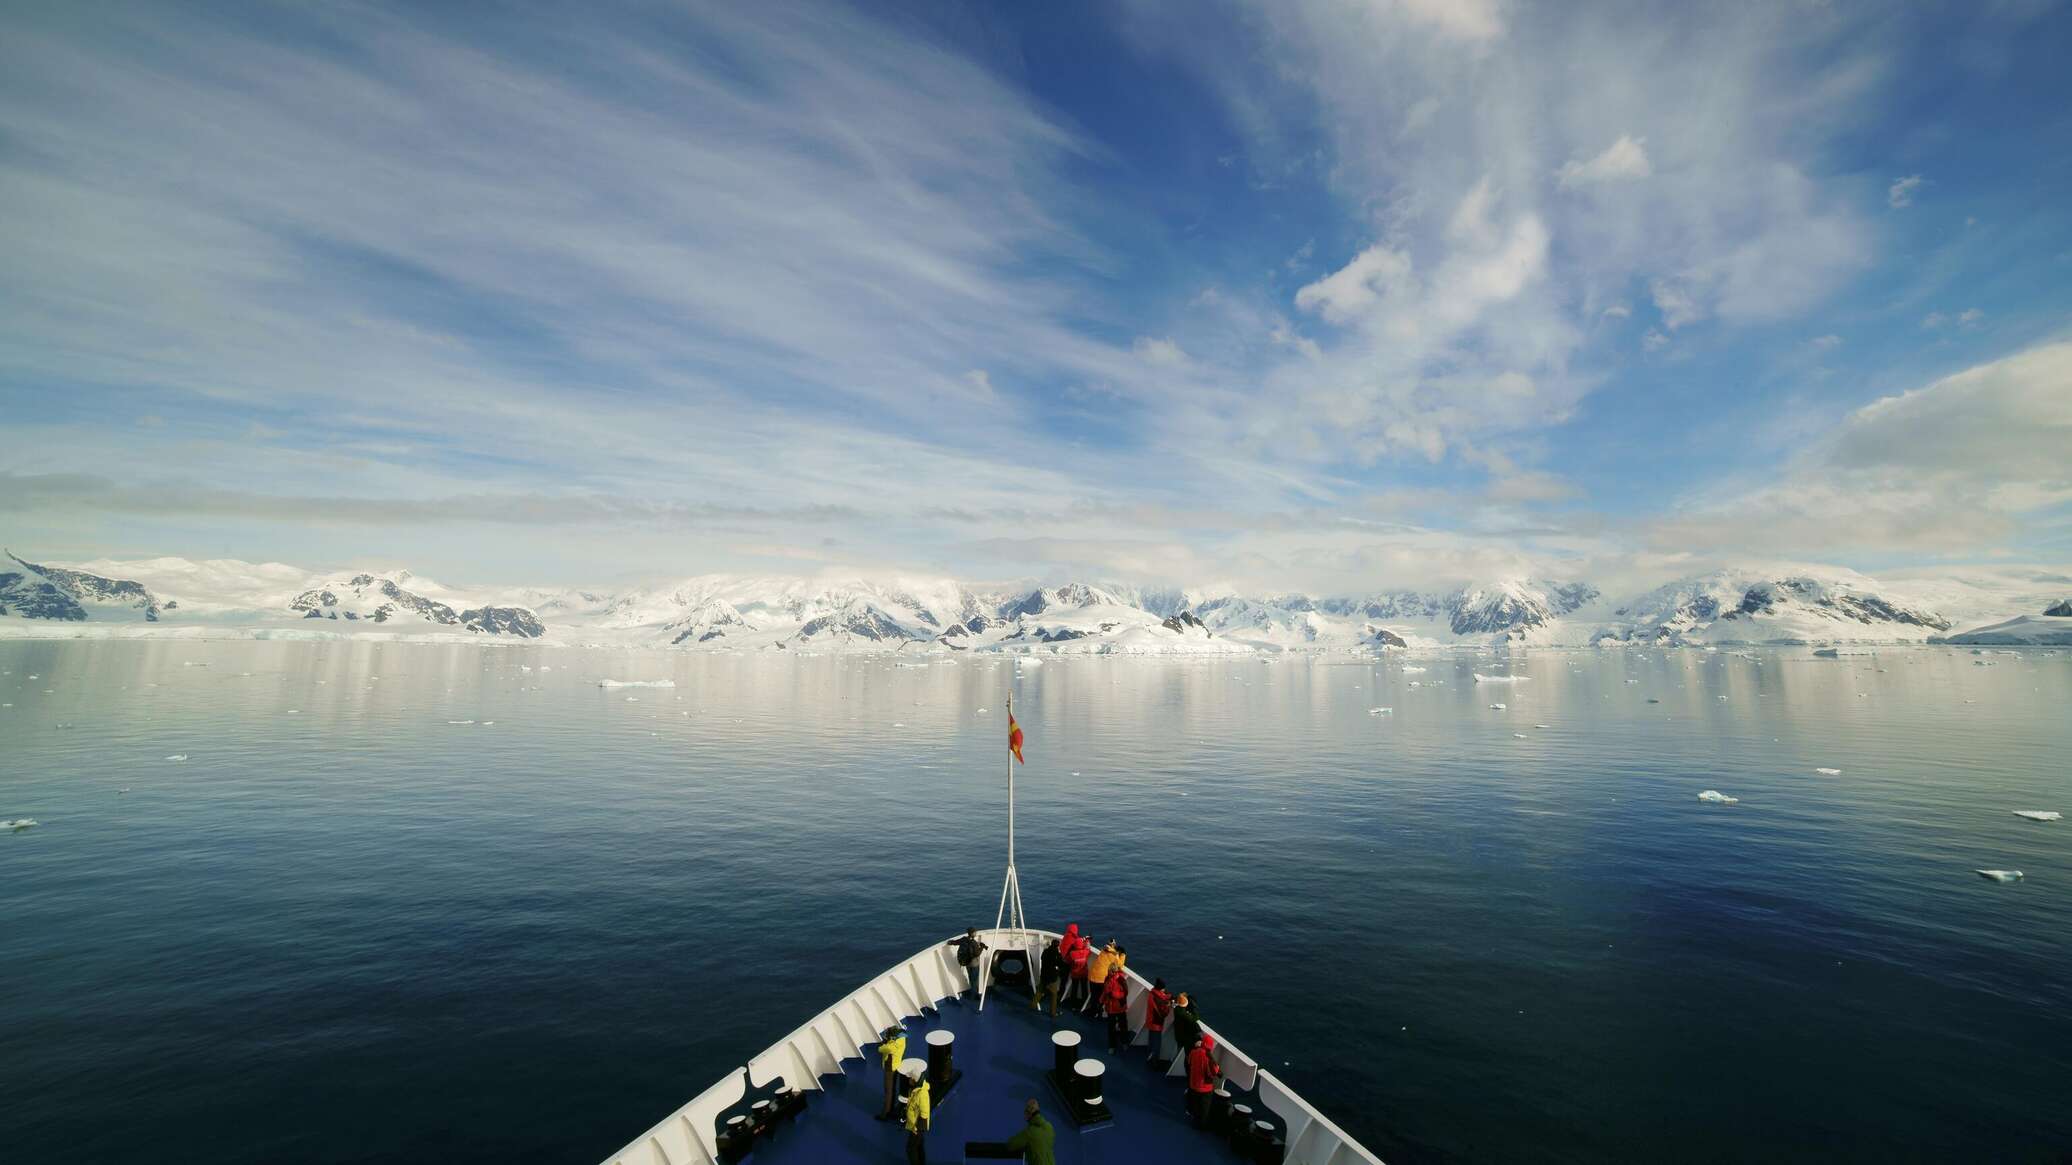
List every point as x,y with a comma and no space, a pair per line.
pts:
1353,290
1827,342
1625,160
1617,311
1934,319
1160,351
1901,193
1969,316
1674,302
1955,467
1654,341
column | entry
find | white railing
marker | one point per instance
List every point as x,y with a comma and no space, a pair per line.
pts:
688,1137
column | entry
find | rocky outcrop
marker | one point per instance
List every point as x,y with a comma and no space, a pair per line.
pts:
2062,610
503,621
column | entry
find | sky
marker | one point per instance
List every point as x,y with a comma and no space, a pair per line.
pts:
1330,295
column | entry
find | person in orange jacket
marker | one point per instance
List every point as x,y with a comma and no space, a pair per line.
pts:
1098,968
1158,1007
1202,1073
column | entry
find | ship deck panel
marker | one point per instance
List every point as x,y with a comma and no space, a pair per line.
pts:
1004,1052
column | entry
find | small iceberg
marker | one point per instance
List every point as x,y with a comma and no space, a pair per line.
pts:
1829,772
1412,670
1519,735
178,756
460,722
2000,875
1381,711
636,683
18,823
1543,726
1483,679
2039,814
1715,797
1498,707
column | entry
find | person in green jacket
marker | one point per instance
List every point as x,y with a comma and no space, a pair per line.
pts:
1036,1138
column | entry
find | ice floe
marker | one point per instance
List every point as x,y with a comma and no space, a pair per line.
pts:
636,683
2039,814
1829,772
460,722
1380,711
178,756
1413,670
1715,797
18,823
1498,707
2000,875
1483,679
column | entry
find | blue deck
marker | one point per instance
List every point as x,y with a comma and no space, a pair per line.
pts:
1005,1055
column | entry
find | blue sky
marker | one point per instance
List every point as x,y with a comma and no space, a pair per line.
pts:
1321,294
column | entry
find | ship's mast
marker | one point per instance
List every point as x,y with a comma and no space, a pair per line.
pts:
1010,913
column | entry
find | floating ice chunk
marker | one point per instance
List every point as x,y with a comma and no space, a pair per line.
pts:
487,723
294,712
1483,679
124,789
1715,797
524,667
1543,726
1413,670
1381,711
1416,684
178,756
460,722
1519,735
2000,875
18,823
636,683
2039,814
1498,707
1829,772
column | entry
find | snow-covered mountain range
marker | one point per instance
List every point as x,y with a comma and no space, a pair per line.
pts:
175,596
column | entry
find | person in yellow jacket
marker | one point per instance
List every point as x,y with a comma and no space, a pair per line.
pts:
1098,969
892,1051
917,1120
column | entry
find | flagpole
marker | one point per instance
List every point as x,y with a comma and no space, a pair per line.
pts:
1010,911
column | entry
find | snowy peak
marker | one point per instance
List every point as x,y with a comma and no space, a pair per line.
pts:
34,591
364,597
1514,607
1729,606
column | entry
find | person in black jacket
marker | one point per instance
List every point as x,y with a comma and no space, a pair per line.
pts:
1050,978
1186,1022
969,948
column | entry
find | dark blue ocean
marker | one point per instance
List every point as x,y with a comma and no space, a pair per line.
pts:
348,928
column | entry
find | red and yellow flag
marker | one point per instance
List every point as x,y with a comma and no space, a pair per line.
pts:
1014,738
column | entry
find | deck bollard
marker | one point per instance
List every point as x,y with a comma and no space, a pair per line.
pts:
1064,1053
1086,1077
939,1042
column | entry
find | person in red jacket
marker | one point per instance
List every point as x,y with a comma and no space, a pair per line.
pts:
1158,1006
1202,1073
1076,960
1115,1001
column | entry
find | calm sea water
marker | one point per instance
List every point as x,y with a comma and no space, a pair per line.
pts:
346,928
